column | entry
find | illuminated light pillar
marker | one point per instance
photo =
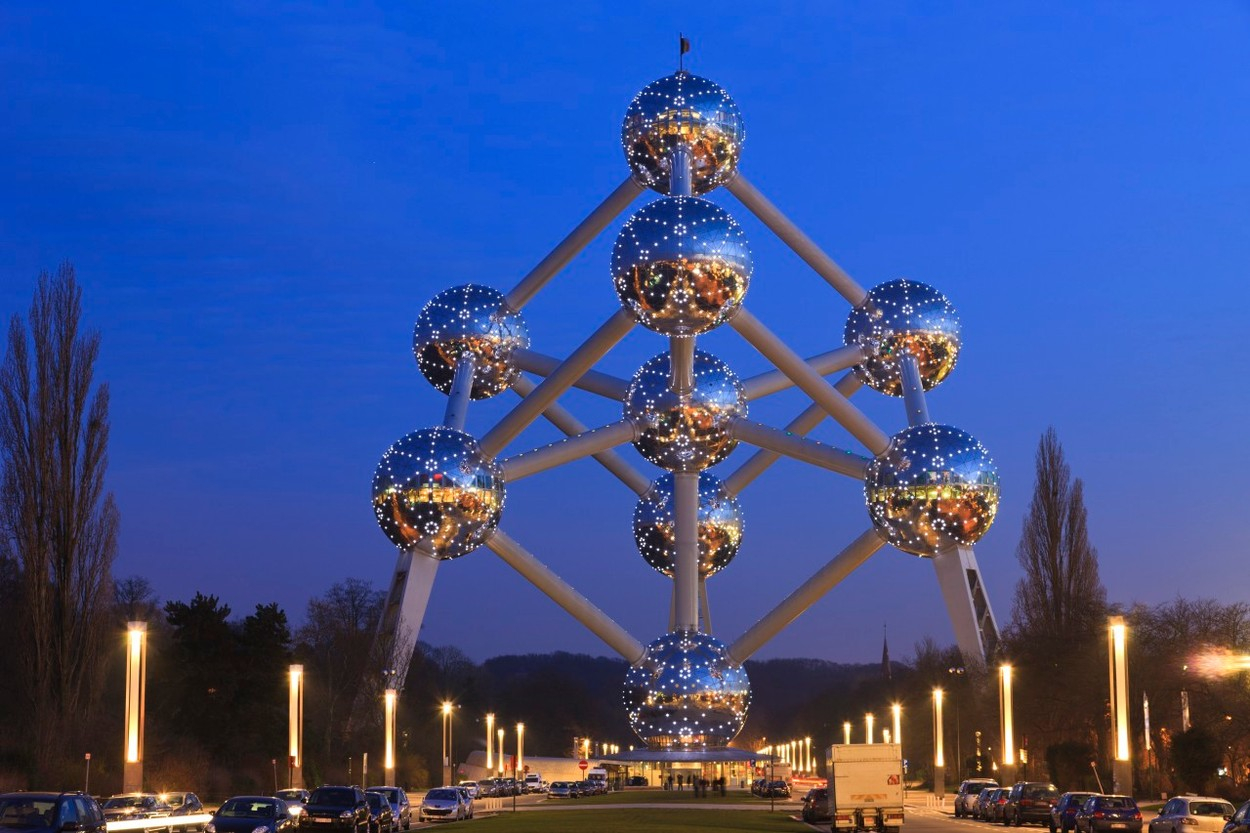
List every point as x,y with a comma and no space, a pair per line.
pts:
794,758
520,748
1121,765
446,742
868,718
939,749
807,742
136,695
295,750
390,698
897,711
1005,705
846,732
499,760
490,741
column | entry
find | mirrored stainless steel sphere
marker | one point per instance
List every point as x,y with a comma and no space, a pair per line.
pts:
685,694
681,265
720,525
689,432
473,320
904,317
935,486
683,109
434,489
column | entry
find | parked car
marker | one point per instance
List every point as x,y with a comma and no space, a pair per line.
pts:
816,805
994,806
381,817
1029,802
966,797
50,812
468,801
127,806
474,788
1192,814
1105,813
1240,822
295,800
251,814
636,781
1063,813
534,782
775,789
442,803
401,808
336,809
983,799
562,789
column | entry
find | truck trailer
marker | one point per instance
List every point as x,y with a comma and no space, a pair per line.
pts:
866,786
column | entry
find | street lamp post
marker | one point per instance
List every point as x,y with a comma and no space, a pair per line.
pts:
868,720
490,741
939,751
957,671
1006,707
499,760
1122,768
136,696
520,747
896,711
295,751
846,732
390,699
807,742
446,742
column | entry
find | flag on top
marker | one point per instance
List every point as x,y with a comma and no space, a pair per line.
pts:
683,46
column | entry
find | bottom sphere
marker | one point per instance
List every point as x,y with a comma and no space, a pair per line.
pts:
685,694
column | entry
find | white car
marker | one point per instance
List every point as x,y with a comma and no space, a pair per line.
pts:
474,788
443,803
1192,814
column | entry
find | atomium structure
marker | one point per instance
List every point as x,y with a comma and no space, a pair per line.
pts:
681,267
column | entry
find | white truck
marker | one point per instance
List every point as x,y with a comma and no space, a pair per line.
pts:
866,786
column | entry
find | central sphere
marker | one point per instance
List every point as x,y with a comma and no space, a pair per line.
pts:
689,432
469,320
686,694
434,489
720,525
681,265
902,318
683,109
935,487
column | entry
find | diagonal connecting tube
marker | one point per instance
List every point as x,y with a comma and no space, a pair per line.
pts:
824,364
560,380
913,390
810,592
461,392
809,451
809,381
539,364
567,450
577,605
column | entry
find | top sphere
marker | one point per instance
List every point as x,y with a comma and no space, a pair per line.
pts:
904,317
469,320
683,109
435,489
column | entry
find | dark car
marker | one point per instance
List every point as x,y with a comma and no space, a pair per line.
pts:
1105,813
250,814
562,789
1240,822
993,809
1063,814
128,806
401,807
775,789
983,799
636,781
816,805
336,809
1029,802
966,797
381,818
45,812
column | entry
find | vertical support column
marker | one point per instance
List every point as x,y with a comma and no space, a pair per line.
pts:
679,159
976,632
846,732
136,701
1117,656
896,712
868,721
681,365
705,611
1006,707
295,748
390,700
490,742
939,746
499,760
686,532
460,394
519,765
913,391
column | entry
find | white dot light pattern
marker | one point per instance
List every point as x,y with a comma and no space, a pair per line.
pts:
935,487
720,525
434,488
681,265
688,432
683,109
901,317
685,694
469,319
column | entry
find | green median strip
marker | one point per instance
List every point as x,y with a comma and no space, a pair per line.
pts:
638,820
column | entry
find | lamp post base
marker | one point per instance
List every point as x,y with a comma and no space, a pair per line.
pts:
1122,777
939,781
132,777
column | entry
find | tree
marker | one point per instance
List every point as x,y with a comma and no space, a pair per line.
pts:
58,523
203,681
1196,755
135,600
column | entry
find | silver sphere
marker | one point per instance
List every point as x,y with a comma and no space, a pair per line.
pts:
473,320
904,317
720,525
686,694
690,432
935,487
681,265
683,109
434,489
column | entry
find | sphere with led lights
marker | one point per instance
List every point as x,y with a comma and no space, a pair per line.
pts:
681,265
686,693
720,525
435,490
899,318
934,487
475,321
683,110
688,432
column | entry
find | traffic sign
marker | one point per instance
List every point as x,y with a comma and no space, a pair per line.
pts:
582,764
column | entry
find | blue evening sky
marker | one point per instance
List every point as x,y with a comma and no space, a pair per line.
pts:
259,197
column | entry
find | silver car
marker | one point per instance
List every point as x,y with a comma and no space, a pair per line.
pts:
442,804
1192,814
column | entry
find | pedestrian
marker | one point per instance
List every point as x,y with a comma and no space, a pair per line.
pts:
668,782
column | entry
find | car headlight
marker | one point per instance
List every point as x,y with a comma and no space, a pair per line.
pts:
346,814
210,828
261,829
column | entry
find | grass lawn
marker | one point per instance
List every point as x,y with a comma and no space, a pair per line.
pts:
667,797
636,820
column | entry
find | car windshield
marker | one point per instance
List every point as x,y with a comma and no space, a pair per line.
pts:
1038,792
26,811
247,808
391,795
442,795
1210,808
290,795
123,801
1078,798
333,796
1117,802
